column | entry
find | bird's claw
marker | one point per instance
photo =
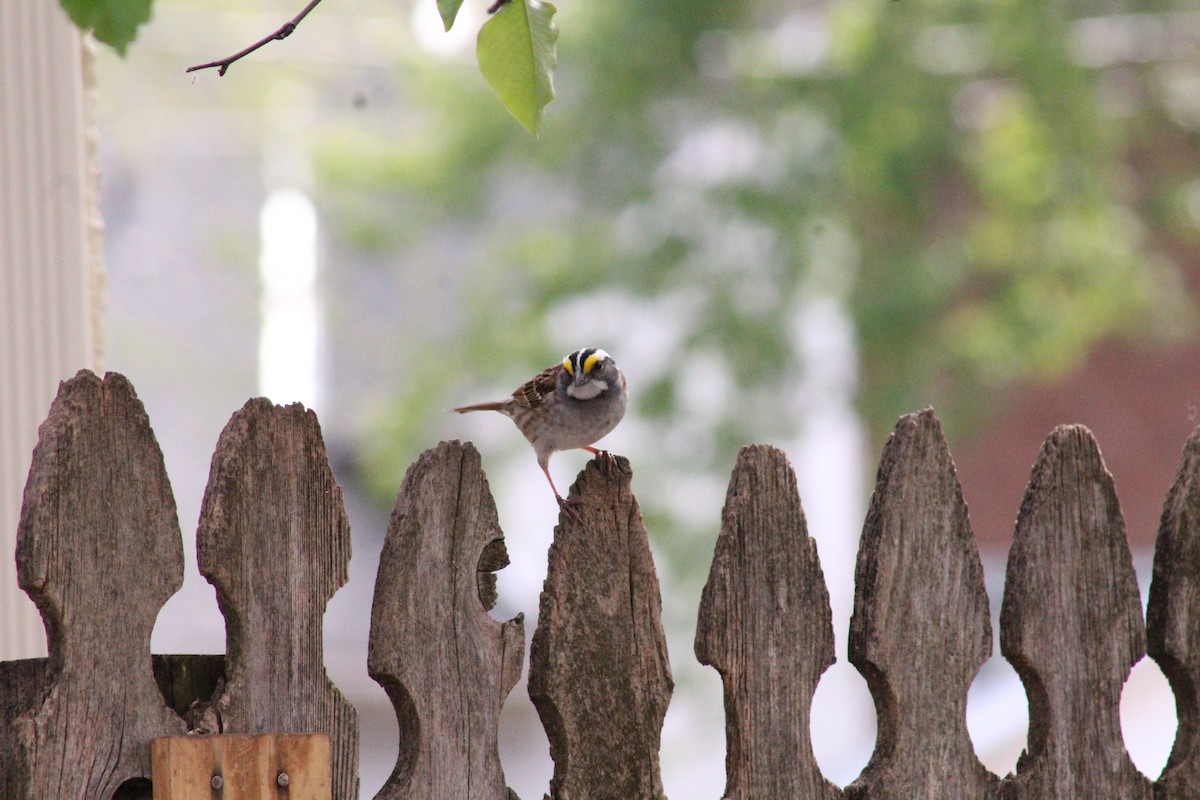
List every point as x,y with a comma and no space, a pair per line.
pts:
604,454
570,506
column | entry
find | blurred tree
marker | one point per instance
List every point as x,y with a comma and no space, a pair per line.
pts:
981,186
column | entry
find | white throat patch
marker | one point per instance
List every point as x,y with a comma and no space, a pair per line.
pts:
588,390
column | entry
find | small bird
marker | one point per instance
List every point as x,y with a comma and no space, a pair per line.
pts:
571,404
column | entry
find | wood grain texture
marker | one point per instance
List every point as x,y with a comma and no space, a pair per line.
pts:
99,551
1071,626
598,671
1173,621
21,684
445,663
249,767
765,624
921,628
183,680
274,541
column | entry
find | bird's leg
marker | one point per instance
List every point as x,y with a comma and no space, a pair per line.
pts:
568,506
553,488
596,452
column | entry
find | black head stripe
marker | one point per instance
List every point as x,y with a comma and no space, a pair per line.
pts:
581,357
578,362
577,358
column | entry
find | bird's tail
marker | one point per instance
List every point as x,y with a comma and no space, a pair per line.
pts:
495,406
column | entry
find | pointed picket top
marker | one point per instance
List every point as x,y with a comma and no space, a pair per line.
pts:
921,628
274,541
99,550
765,625
445,663
1173,621
598,670
1071,626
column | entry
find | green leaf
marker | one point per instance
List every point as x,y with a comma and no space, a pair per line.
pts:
449,10
516,56
114,22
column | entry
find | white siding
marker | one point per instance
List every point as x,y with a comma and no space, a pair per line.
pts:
50,258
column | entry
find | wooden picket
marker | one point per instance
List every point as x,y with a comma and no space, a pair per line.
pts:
1074,655
765,625
275,542
920,629
598,671
99,550
1173,621
446,664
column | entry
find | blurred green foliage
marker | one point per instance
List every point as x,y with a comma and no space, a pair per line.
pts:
988,188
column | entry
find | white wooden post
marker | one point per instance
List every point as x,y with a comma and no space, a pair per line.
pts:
50,257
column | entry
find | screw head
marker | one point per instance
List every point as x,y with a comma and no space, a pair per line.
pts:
283,779
217,782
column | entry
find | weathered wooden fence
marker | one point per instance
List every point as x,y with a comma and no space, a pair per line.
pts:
99,550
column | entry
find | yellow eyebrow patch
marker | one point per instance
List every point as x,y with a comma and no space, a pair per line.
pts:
590,362
567,366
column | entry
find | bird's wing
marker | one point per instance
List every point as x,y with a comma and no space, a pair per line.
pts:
534,392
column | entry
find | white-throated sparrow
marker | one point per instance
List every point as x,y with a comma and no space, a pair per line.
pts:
571,404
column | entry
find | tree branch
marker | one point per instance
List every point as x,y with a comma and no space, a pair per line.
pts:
284,32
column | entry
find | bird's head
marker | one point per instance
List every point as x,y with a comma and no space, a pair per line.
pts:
588,373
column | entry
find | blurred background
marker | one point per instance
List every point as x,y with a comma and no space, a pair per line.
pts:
788,222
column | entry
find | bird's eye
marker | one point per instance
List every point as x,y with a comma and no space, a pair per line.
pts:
592,358
568,366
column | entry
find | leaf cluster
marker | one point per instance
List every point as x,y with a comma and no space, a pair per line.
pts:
515,46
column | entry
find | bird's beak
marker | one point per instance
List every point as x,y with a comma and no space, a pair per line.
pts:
585,387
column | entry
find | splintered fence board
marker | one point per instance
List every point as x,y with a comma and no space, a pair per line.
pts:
446,665
99,551
242,767
274,541
598,670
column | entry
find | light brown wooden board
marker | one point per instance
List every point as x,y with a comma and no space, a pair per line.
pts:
248,767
